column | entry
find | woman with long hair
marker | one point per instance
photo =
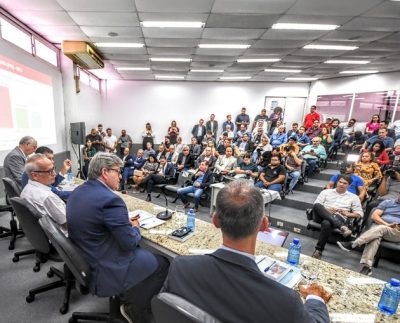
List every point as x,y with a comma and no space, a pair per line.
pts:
373,125
173,132
367,169
149,167
379,153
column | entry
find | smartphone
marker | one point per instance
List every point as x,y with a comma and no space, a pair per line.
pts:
181,232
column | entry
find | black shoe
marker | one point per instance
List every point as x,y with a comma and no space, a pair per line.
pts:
123,192
366,271
317,254
345,245
148,198
126,313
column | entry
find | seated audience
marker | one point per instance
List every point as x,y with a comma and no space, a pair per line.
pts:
349,129
379,153
274,130
225,164
202,179
14,163
257,136
373,125
148,151
396,128
357,184
386,219
294,132
293,166
302,138
194,148
273,175
171,155
334,209
261,148
161,151
314,131
279,138
212,281
261,121
162,174
290,143
124,141
246,169
130,164
354,143
244,145
149,167
147,136
208,157
199,131
229,133
179,145
382,136
167,142
208,137
100,227
336,133
326,138
66,167
185,160
311,117
385,125
88,152
327,124
38,192
222,147
367,169
173,132
313,153
239,135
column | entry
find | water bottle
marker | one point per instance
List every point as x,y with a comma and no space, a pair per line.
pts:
390,297
294,251
190,220
70,177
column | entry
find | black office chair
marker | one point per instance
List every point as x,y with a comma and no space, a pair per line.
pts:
76,266
12,190
28,217
167,307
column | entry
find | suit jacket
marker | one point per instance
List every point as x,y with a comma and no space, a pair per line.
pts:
195,130
14,165
231,287
215,126
337,138
208,179
211,161
189,161
169,170
98,225
128,161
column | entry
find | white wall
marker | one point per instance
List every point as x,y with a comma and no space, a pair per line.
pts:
130,104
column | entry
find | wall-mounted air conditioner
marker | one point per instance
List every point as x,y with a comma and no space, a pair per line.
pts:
83,54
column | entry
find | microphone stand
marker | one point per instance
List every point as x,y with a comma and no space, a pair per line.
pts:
164,215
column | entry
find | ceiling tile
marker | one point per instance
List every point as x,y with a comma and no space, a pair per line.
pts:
103,31
142,63
381,46
58,18
192,6
275,34
314,19
372,24
97,5
392,38
172,16
172,32
387,9
171,51
219,52
12,5
170,42
211,58
267,43
138,77
268,52
109,39
332,8
123,51
309,59
128,19
210,64
126,57
254,6
354,35
232,33
241,21
323,53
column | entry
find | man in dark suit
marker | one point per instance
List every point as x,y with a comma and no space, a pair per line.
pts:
212,125
185,159
164,172
336,132
99,225
14,163
199,131
228,283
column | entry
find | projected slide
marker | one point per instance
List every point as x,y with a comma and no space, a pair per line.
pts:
26,105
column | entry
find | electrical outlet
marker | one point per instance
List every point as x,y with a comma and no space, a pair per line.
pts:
297,230
279,224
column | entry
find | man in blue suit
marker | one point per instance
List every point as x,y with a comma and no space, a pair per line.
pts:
99,225
228,283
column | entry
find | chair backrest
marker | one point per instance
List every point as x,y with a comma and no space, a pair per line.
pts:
11,188
28,217
167,307
68,252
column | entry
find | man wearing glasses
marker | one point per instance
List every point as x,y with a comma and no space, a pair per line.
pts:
41,173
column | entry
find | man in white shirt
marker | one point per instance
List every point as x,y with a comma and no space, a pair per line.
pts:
227,163
110,141
334,208
41,173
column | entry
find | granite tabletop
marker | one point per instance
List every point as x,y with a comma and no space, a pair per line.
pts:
355,297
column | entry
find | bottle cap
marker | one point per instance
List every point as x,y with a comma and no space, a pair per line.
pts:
296,241
191,210
395,282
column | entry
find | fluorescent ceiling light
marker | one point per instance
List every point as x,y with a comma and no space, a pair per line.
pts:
166,59
281,70
235,77
304,26
133,68
121,45
331,47
358,72
180,77
173,24
207,71
221,46
258,60
343,61
301,78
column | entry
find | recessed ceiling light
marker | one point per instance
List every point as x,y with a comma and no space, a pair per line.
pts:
207,71
178,77
359,72
281,70
343,61
331,47
170,59
258,60
173,24
301,78
122,45
133,68
221,46
304,26
235,77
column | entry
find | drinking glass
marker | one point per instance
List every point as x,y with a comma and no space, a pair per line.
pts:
309,271
180,216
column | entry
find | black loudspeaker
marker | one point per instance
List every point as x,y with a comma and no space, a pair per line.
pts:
78,131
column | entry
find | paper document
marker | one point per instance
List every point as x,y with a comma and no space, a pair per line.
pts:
146,219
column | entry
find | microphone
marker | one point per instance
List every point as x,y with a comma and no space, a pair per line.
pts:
164,215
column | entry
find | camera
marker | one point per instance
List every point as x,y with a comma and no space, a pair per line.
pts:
392,170
289,149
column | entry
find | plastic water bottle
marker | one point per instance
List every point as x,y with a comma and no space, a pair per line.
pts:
390,297
70,177
190,220
294,251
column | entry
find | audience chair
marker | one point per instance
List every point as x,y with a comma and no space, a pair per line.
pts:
167,307
170,181
12,190
28,217
180,182
76,266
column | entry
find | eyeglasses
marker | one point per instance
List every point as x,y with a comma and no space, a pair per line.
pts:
115,170
50,171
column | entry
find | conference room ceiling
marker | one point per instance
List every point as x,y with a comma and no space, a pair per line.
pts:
371,25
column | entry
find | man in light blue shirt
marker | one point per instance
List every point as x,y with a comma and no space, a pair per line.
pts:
279,138
312,153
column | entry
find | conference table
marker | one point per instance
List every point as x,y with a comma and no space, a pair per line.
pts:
355,297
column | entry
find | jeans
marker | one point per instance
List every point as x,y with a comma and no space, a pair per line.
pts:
197,192
312,163
126,173
294,178
272,187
